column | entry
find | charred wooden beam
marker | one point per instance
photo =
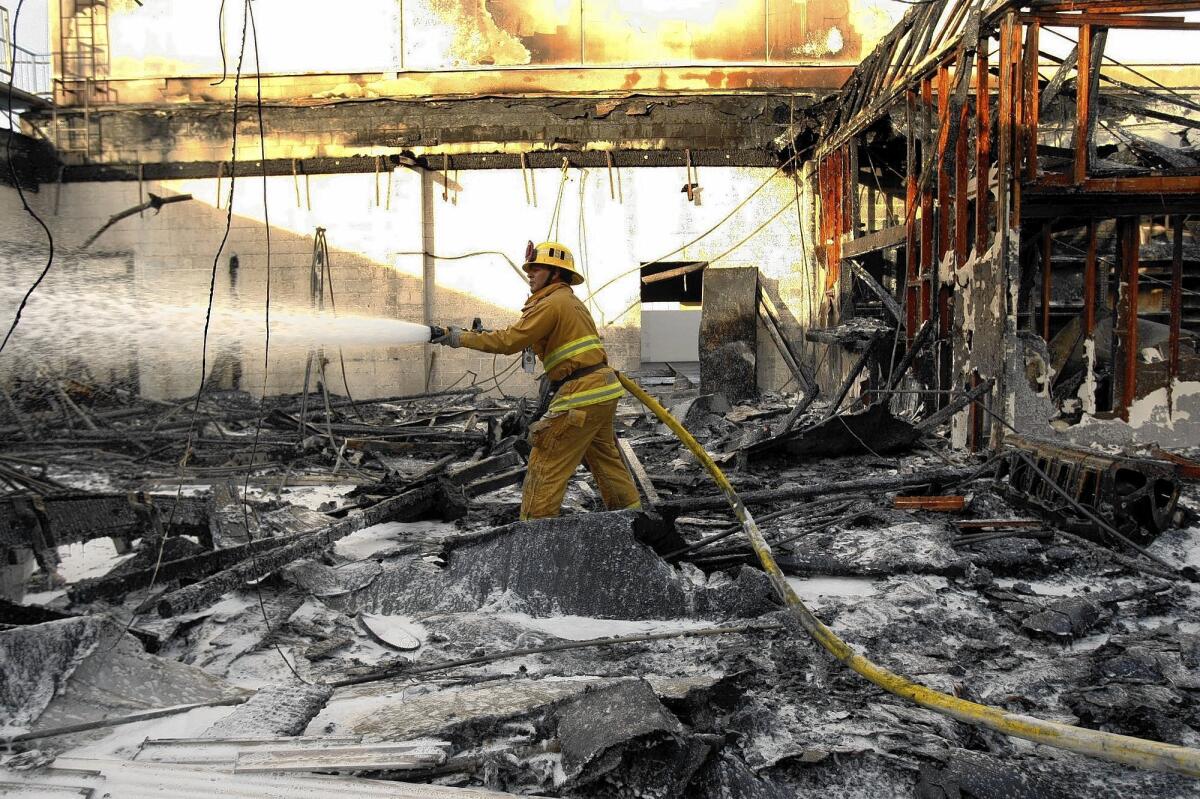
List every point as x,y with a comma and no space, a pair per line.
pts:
75,518
873,242
408,506
934,478
193,568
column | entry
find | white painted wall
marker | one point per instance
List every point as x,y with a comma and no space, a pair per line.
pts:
154,315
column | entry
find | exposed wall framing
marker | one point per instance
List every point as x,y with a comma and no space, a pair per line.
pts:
1027,226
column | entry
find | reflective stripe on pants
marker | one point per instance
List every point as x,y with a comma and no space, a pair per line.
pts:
560,443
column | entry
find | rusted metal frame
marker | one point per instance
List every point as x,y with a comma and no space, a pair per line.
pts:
1112,21
1004,120
962,165
1125,355
1083,104
1160,184
912,295
944,210
1176,302
1032,104
1017,152
1089,282
928,267
1116,6
909,76
944,174
1047,279
983,145
853,211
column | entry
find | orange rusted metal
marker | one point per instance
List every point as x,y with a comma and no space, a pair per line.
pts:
942,504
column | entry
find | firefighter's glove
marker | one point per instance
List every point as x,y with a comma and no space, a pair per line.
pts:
450,337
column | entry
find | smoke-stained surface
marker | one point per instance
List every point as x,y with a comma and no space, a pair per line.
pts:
306,36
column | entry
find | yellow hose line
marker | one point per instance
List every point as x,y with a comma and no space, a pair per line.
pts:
1104,745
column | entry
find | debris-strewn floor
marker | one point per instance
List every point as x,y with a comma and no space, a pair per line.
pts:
400,551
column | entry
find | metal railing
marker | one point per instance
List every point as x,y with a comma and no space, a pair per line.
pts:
31,72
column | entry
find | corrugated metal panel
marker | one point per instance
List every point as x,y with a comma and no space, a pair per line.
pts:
225,750
131,780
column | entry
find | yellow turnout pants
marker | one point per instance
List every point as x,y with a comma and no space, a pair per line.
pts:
560,443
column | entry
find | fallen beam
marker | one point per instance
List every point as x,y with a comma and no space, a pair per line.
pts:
879,240
406,507
935,477
193,568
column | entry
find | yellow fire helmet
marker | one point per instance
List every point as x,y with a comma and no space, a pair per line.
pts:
551,253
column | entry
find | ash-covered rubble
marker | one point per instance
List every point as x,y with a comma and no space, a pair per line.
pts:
380,614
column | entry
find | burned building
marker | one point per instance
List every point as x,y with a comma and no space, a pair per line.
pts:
902,301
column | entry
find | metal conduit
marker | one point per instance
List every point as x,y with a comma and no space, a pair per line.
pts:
1104,745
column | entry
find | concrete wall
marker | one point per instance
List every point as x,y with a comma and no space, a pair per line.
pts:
179,37
133,306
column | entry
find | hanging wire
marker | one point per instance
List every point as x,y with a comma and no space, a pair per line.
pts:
703,235
12,170
554,218
221,44
191,431
262,146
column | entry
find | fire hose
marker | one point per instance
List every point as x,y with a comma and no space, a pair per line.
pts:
1094,743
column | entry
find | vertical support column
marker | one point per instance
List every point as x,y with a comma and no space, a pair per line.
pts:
1126,352
1032,99
944,178
428,267
1083,104
912,292
852,206
927,186
1016,151
983,147
962,157
1047,281
1176,320
1004,120
1090,277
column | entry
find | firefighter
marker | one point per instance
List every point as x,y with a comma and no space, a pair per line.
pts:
579,389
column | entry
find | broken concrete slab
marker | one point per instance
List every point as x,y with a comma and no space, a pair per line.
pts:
621,738
586,565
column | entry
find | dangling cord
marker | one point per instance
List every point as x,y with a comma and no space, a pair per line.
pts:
562,184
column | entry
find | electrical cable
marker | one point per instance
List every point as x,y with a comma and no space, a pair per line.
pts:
720,222
327,268
262,146
709,261
437,257
166,530
12,170
221,44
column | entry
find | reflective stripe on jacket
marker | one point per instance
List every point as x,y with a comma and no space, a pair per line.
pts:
559,329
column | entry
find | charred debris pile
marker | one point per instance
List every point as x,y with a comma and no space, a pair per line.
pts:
333,587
